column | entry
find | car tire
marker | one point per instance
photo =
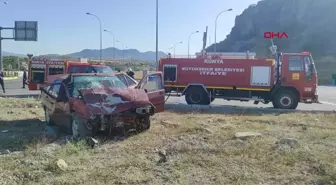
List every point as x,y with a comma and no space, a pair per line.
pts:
80,129
47,117
145,124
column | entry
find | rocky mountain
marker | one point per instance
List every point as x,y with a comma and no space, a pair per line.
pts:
108,53
309,24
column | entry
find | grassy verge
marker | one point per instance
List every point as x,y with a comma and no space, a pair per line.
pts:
198,148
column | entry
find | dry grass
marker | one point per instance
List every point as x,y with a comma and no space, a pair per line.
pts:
200,149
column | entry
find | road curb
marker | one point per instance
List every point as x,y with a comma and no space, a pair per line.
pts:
11,78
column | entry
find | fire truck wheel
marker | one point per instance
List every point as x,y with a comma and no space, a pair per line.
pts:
285,99
196,96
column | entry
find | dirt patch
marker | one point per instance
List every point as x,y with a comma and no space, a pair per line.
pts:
178,149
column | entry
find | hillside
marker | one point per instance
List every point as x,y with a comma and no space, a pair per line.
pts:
5,54
107,54
127,53
308,23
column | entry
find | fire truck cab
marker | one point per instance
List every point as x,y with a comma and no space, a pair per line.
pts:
39,69
84,67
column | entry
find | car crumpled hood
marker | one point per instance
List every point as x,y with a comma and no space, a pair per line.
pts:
113,100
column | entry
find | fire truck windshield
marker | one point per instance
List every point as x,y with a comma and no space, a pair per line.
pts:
90,69
103,69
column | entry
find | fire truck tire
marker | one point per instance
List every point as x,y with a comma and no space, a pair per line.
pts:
285,99
197,96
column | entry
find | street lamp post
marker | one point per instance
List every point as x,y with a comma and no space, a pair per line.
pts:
189,40
175,47
113,42
1,59
216,26
123,47
101,35
113,47
157,35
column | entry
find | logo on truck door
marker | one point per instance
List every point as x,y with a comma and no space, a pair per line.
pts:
208,61
295,76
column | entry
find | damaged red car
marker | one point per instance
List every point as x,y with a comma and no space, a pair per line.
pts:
86,103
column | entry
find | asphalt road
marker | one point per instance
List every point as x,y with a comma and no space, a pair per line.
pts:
327,96
14,89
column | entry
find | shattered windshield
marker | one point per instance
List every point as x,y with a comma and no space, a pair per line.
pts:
91,82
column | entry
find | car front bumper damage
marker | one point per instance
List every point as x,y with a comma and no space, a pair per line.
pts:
129,119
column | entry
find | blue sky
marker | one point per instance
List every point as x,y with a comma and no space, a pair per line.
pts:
65,28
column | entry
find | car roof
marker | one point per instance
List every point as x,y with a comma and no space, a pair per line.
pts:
64,76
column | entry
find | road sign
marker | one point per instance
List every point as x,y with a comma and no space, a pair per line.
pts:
25,31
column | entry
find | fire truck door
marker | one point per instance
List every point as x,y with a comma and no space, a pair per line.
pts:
37,73
153,84
294,73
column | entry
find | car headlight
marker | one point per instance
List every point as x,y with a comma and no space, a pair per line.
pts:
143,110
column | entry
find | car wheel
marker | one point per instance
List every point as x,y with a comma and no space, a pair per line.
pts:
80,128
144,124
47,117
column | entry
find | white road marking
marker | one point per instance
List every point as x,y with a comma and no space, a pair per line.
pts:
328,103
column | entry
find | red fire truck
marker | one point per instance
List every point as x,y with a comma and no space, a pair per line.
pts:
285,80
40,68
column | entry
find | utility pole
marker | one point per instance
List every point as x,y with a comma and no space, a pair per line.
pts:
1,61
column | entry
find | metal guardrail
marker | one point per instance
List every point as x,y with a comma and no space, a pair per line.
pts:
11,73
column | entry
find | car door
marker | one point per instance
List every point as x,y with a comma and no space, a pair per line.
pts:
46,100
49,100
122,78
62,108
153,84
131,83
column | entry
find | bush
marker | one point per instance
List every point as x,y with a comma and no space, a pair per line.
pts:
325,67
